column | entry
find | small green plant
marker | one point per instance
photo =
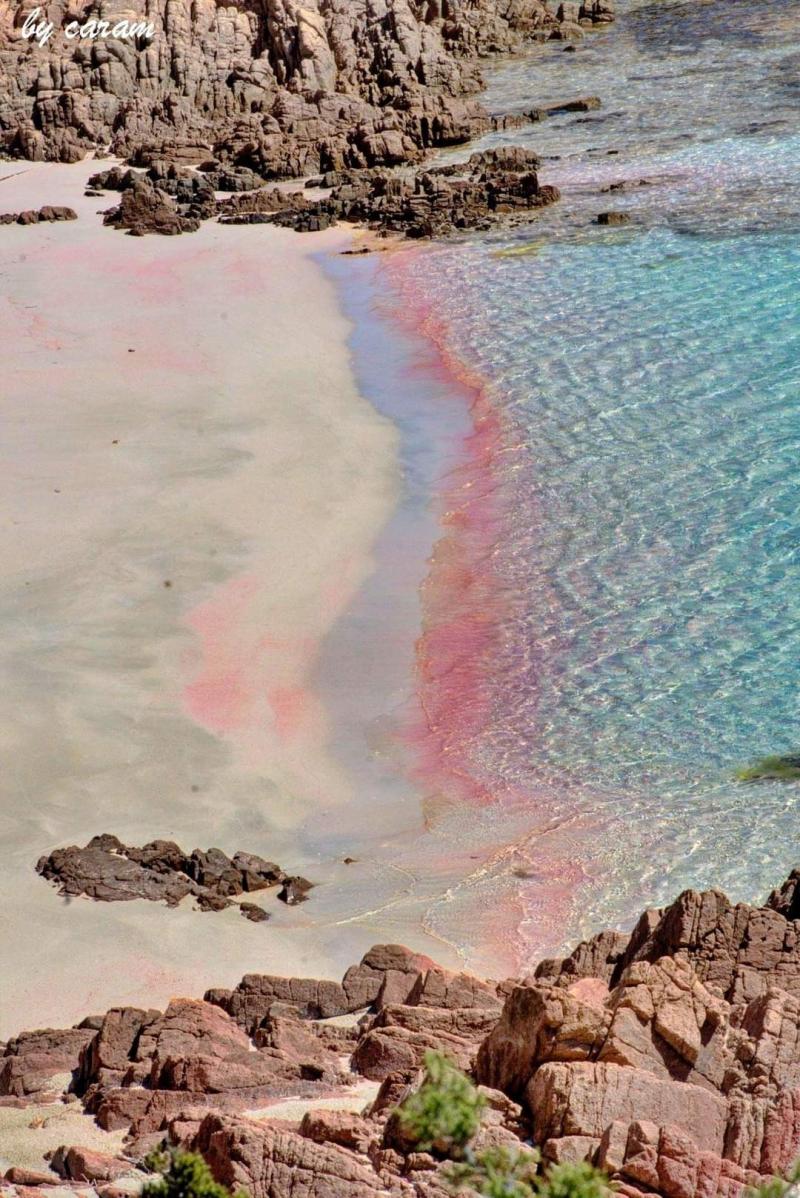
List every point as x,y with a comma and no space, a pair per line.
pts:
581,1180
444,1114
496,1173
505,1173
182,1175
776,1187
784,768
443,1117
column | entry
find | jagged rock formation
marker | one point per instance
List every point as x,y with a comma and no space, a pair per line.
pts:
284,88
492,185
669,1056
109,871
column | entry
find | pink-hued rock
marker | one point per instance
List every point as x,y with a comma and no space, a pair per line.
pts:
440,988
18,1176
33,1061
582,1098
400,1036
675,1068
735,948
338,1127
84,1164
272,1162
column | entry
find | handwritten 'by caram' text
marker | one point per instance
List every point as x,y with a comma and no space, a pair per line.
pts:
38,29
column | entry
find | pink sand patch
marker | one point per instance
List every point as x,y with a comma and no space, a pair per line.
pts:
224,695
291,708
233,690
466,611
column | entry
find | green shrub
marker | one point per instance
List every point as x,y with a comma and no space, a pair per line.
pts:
776,1187
506,1173
573,1181
444,1114
183,1175
496,1173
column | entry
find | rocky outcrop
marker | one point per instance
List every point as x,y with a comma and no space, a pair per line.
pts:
387,973
138,1069
736,949
33,1064
108,870
35,216
669,1056
146,209
491,185
283,88
84,1164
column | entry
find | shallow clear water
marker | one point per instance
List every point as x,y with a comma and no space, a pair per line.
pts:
649,380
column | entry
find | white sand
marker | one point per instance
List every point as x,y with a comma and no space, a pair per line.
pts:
355,1098
232,456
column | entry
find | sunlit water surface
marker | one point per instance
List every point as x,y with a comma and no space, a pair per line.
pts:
649,377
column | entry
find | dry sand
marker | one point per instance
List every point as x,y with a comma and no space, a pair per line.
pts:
26,1134
191,490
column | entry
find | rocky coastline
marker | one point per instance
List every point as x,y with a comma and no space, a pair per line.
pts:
352,96
667,1056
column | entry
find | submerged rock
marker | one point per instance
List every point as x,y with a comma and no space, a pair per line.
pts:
784,768
614,218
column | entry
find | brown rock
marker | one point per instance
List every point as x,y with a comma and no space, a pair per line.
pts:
84,1164
271,1162
106,869
33,1060
28,1177
294,890
280,91
253,912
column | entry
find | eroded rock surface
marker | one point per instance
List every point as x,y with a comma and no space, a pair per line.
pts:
491,185
109,871
669,1056
282,88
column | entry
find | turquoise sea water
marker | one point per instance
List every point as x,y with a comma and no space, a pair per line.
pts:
649,378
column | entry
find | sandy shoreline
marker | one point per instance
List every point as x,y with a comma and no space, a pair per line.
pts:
215,554
231,457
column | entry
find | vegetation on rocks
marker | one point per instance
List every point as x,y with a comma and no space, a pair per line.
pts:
778,1187
444,1116
182,1175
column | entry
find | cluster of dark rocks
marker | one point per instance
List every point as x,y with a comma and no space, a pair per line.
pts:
668,1056
35,216
262,92
491,185
109,871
